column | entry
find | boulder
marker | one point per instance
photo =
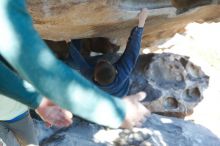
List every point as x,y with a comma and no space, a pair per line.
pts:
113,19
156,131
174,85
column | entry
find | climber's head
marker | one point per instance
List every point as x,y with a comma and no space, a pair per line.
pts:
104,73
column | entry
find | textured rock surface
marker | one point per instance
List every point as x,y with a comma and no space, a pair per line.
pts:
174,84
66,19
157,131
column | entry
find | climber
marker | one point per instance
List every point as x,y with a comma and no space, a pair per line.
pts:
112,78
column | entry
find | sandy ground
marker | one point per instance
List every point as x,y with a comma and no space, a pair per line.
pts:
201,42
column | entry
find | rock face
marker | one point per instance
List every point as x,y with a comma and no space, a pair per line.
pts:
174,84
67,19
157,131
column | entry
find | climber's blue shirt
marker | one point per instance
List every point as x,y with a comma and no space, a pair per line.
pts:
124,66
22,47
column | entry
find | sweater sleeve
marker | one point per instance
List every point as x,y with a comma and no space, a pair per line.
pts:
127,61
13,86
23,48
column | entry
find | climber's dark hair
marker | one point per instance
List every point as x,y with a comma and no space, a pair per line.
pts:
104,72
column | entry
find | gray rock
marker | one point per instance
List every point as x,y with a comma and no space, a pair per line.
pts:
156,131
173,84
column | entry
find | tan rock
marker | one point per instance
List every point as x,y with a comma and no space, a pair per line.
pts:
68,19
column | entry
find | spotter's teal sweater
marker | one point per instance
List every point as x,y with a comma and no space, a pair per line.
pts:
23,48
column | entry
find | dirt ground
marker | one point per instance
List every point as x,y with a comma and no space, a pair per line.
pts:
201,42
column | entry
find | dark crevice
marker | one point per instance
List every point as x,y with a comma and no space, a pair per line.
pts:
171,103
